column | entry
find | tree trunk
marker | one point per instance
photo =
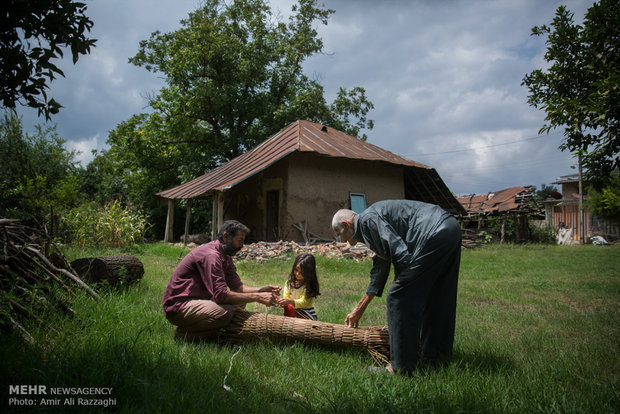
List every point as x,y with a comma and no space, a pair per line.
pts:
115,270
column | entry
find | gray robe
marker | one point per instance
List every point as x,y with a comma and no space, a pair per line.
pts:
423,242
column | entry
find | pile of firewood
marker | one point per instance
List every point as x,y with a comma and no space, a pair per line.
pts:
35,278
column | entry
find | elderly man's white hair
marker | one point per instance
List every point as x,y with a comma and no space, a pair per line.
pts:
340,216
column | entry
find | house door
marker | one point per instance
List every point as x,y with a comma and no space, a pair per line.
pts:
273,214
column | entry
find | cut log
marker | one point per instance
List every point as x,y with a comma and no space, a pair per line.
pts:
119,270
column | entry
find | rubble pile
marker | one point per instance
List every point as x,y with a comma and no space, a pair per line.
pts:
260,251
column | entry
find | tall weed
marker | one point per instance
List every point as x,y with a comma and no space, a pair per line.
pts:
111,226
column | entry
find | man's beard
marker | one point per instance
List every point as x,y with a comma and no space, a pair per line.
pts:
229,249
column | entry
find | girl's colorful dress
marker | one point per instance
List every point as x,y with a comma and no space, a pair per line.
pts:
303,305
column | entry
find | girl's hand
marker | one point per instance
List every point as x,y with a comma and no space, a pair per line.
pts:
284,301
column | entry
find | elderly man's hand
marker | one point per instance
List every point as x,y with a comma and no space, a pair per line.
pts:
352,319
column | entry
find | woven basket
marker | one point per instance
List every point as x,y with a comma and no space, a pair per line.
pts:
249,326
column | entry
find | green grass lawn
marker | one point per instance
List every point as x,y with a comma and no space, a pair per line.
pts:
538,330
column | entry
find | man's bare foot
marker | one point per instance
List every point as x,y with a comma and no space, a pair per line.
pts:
389,368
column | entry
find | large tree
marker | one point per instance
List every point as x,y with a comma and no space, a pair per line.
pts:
33,34
234,76
580,89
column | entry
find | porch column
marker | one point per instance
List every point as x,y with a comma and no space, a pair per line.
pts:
217,217
188,215
168,236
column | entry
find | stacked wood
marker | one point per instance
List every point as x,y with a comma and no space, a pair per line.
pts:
260,251
121,270
249,326
32,283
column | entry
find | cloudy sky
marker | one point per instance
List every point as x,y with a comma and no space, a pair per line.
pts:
444,77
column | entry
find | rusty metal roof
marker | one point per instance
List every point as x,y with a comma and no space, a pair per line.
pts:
304,136
509,199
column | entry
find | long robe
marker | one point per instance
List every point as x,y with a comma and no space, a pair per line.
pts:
423,243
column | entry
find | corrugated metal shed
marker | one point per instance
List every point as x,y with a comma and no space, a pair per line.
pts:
306,136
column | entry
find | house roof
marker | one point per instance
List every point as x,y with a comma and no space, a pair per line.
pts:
566,179
302,136
509,199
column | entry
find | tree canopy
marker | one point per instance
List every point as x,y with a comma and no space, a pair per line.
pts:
37,172
32,37
233,77
580,89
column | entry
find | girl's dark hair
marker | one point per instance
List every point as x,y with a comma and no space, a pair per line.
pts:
308,268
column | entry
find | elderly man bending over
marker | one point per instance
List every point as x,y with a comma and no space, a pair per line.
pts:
205,289
423,242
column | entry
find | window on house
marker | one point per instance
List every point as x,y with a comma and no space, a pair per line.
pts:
358,202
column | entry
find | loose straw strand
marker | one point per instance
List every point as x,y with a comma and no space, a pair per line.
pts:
226,387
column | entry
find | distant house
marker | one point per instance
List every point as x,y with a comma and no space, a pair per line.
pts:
288,187
482,209
563,213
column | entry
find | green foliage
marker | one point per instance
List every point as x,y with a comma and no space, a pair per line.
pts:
32,36
606,202
109,226
545,192
37,172
580,90
234,77
486,237
544,235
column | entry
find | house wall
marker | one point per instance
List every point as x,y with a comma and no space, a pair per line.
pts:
318,186
570,189
246,201
311,188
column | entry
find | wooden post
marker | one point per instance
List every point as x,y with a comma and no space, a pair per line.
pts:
220,210
188,216
214,215
168,236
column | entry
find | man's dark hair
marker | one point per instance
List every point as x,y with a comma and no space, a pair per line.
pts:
231,227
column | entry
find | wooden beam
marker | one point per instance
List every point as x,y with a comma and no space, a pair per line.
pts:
188,216
215,214
168,236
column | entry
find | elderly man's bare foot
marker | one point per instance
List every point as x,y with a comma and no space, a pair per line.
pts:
389,368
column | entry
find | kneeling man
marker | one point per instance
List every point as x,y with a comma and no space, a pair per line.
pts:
205,289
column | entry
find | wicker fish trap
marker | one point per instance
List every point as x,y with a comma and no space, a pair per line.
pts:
249,326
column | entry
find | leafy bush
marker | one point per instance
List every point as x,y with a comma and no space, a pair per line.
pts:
109,226
606,202
543,234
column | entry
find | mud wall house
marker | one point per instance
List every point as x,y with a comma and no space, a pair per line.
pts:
497,206
563,212
289,186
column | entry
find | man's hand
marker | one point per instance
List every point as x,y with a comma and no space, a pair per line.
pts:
271,288
267,298
352,319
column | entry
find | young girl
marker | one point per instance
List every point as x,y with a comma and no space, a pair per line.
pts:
301,288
